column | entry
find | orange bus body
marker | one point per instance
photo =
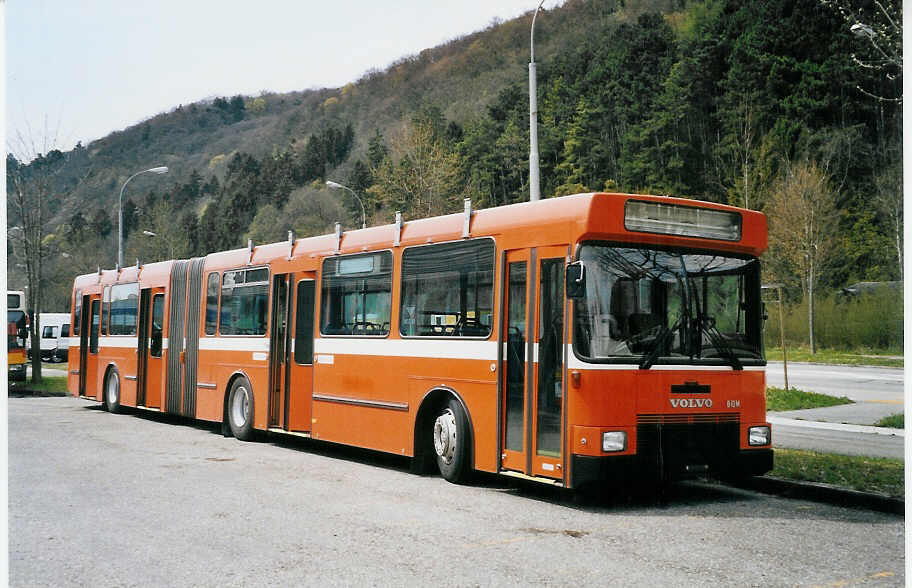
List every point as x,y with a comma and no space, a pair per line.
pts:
445,394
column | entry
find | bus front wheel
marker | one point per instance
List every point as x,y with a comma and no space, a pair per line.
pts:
451,435
240,409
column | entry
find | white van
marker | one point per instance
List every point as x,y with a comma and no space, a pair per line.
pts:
55,336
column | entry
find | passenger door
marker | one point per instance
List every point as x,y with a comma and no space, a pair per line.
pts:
533,335
300,362
149,372
278,352
291,352
90,386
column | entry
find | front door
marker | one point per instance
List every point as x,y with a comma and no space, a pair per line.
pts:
533,400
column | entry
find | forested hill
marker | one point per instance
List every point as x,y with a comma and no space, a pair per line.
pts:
767,104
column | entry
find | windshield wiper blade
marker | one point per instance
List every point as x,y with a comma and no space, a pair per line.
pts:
661,341
719,343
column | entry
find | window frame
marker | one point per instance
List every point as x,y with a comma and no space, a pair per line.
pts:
698,363
266,283
494,286
218,304
155,296
297,318
135,313
392,275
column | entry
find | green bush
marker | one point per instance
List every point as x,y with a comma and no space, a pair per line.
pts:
870,321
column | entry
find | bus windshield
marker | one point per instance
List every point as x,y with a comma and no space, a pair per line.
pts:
646,306
15,325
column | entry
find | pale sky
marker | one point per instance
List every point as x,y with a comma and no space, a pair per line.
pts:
90,67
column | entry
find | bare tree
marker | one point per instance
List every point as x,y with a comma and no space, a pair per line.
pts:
742,158
803,220
879,30
33,169
888,199
420,176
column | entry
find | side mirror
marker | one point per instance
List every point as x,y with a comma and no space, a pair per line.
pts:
576,281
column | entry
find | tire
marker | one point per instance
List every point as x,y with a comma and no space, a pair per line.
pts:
450,436
240,410
112,392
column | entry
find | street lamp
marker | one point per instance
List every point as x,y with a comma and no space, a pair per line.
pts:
337,186
534,190
862,30
153,170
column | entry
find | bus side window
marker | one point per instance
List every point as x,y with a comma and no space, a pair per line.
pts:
158,317
447,289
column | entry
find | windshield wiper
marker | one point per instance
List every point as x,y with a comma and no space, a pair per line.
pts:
660,342
718,341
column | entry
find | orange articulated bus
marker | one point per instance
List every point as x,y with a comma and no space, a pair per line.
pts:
573,340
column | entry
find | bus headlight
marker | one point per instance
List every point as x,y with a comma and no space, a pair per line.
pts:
614,441
758,435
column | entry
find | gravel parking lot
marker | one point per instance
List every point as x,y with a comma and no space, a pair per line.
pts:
146,500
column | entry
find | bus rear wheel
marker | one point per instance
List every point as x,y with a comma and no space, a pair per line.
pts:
112,392
240,409
450,434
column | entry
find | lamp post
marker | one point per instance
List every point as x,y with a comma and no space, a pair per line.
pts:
534,190
337,186
154,170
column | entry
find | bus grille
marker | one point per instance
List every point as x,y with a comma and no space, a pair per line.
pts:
677,446
661,419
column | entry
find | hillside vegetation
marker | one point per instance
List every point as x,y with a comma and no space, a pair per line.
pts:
768,105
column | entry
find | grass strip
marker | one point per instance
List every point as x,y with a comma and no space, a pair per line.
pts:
794,399
49,386
865,474
882,358
894,421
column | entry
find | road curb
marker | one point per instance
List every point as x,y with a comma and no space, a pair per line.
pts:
828,493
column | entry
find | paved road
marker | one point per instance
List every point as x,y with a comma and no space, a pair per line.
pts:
876,391
859,383
836,438
99,500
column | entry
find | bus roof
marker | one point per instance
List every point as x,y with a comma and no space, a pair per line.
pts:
566,219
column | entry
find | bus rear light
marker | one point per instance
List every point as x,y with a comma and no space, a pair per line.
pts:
688,221
758,436
613,441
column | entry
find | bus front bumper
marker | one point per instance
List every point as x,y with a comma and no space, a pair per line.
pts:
631,468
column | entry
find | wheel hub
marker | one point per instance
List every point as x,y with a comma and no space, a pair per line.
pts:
445,435
240,406
112,389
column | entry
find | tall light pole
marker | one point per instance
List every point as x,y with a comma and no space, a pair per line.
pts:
534,190
154,170
337,186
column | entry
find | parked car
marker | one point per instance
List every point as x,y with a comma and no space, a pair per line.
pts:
55,336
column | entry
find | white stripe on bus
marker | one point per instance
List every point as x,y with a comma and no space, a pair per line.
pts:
430,348
234,344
